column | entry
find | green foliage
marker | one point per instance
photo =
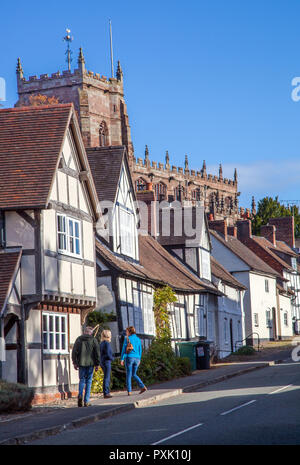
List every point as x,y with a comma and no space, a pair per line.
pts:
100,318
163,296
245,350
97,384
15,397
272,208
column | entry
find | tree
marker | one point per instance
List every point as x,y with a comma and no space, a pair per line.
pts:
272,208
39,99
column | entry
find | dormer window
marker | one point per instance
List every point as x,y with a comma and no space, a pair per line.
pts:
294,263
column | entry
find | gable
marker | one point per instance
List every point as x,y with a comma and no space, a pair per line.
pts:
68,188
226,257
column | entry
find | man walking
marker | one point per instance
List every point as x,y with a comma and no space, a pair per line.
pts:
86,356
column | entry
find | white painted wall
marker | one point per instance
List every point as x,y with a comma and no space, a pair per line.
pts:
285,307
18,231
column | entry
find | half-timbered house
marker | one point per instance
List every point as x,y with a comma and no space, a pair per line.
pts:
131,263
48,209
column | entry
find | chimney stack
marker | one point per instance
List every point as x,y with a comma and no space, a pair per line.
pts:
244,229
284,229
232,231
269,232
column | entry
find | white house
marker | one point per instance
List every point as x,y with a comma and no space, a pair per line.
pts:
260,298
48,209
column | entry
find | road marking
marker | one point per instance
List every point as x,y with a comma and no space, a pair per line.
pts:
177,434
236,408
280,389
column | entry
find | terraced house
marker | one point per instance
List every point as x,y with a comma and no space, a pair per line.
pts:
48,208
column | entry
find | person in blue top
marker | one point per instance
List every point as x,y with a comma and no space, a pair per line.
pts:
132,359
106,359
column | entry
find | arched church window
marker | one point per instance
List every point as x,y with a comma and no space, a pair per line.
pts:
179,193
196,194
160,191
103,134
140,185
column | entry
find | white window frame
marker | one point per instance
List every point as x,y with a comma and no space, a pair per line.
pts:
141,314
58,335
268,319
128,241
200,326
267,287
66,233
285,319
256,320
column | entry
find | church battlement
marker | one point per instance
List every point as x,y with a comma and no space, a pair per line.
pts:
161,169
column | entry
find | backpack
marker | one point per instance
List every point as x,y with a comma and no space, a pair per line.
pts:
129,347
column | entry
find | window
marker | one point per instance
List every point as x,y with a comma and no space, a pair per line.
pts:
196,194
205,264
54,333
69,235
256,323
200,329
140,185
266,285
160,191
127,232
140,314
285,319
225,331
268,319
103,134
294,263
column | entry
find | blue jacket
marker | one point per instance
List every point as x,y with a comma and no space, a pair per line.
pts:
106,352
137,347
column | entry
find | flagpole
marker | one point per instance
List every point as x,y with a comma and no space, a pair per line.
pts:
111,51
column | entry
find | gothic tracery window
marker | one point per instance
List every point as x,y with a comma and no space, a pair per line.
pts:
160,191
140,185
196,194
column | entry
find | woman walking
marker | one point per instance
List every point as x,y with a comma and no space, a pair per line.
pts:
131,353
106,359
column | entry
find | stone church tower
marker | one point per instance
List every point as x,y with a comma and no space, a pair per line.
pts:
101,109
99,102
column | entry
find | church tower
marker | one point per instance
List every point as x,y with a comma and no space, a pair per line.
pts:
98,101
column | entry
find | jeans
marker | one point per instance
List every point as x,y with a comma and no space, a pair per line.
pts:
132,364
85,380
106,367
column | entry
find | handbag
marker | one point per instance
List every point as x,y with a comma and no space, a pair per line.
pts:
129,346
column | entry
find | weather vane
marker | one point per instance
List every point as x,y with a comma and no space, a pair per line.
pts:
69,52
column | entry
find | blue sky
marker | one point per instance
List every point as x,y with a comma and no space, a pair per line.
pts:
210,79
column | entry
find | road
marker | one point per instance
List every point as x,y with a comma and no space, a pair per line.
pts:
258,408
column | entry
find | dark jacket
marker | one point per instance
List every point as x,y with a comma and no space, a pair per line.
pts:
106,352
86,351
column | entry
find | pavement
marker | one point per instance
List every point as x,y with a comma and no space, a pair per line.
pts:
51,419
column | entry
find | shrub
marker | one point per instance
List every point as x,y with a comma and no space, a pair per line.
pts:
15,397
159,363
97,384
245,350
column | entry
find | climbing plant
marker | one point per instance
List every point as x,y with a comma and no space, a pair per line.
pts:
163,297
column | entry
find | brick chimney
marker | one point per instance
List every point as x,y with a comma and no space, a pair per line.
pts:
244,229
219,226
232,231
269,232
284,229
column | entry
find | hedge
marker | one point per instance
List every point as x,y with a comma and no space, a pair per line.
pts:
15,397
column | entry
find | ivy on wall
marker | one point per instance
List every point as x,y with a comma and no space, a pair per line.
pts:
163,297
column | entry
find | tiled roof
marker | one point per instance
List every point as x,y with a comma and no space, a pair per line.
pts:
245,254
30,142
220,272
156,265
270,249
106,163
282,246
8,265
